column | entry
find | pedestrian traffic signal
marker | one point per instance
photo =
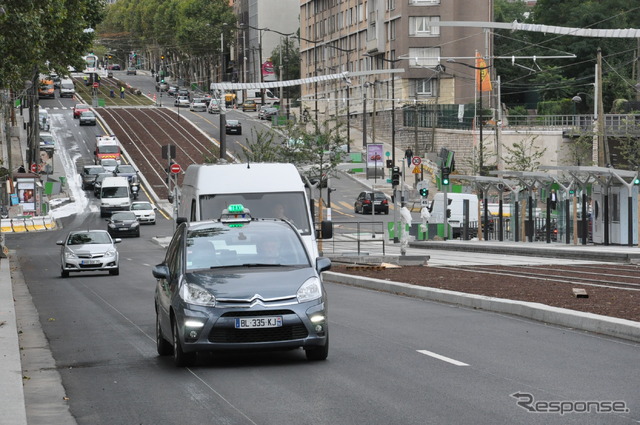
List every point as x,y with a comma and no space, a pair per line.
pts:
424,192
445,176
636,181
395,176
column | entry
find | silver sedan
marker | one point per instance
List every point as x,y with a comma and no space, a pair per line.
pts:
89,251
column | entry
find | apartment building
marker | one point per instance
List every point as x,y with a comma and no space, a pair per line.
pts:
367,36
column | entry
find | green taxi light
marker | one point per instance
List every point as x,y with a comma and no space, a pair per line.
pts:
236,225
235,208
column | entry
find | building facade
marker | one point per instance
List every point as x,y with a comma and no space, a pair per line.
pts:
366,37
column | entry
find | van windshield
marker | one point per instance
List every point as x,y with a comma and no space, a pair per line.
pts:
115,192
66,85
289,205
109,149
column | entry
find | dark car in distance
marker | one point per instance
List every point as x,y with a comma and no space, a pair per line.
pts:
239,283
364,201
233,127
123,223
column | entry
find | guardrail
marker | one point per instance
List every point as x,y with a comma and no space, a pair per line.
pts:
357,238
27,224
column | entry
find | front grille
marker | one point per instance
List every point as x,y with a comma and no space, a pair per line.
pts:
257,313
283,333
89,256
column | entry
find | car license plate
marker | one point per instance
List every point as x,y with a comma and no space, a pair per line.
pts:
123,228
90,261
258,322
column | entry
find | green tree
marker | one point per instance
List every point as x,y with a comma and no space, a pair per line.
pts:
288,54
524,155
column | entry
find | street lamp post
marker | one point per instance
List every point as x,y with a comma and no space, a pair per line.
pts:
481,145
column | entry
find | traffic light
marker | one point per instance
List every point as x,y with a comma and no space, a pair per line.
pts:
162,57
110,57
445,176
157,79
395,176
424,192
448,213
636,181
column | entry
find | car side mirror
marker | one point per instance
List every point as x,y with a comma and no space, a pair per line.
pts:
117,240
59,242
161,271
323,264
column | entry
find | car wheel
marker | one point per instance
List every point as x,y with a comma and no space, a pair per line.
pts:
114,272
64,273
138,234
239,133
180,358
355,209
318,353
163,346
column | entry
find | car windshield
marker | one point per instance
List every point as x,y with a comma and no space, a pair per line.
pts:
252,245
109,163
109,149
141,206
120,216
94,170
82,106
89,238
125,169
232,122
261,205
115,192
86,114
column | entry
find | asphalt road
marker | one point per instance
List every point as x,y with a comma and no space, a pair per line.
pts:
393,359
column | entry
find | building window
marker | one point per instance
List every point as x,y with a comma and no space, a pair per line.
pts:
423,2
425,87
391,4
419,26
392,30
421,57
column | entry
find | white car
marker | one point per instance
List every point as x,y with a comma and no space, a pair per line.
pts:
198,105
109,164
144,211
89,251
181,101
214,106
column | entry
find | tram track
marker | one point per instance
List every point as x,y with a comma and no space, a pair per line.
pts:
564,275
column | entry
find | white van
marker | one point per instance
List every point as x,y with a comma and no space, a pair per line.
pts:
263,188
456,205
67,88
115,195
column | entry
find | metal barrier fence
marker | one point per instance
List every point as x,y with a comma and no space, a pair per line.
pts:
358,238
536,231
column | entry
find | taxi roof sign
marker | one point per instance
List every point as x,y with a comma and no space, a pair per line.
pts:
235,214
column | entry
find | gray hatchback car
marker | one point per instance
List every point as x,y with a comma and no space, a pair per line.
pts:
239,283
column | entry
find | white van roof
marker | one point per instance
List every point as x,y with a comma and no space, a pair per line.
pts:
107,141
243,178
115,181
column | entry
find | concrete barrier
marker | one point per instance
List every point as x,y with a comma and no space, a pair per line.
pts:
27,224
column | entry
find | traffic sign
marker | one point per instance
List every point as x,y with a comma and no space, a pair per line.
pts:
416,170
96,85
34,168
175,168
416,160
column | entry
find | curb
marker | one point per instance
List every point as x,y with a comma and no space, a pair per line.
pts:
604,325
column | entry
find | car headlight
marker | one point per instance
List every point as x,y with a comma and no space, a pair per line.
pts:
70,254
110,253
111,225
135,224
310,290
194,294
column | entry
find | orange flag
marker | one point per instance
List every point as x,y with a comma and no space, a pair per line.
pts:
483,78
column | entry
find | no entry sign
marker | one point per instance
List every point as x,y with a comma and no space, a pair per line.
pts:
175,168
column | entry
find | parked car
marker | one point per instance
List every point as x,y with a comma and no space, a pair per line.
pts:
89,173
233,126
144,211
97,182
198,105
131,70
181,101
249,105
276,302
123,223
89,251
87,118
79,108
363,203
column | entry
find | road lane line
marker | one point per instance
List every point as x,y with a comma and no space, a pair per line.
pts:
443,358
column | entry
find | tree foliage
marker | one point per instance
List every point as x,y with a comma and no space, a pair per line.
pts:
524,80
38,35
524,155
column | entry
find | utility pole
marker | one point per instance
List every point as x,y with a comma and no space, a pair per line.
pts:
603,154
